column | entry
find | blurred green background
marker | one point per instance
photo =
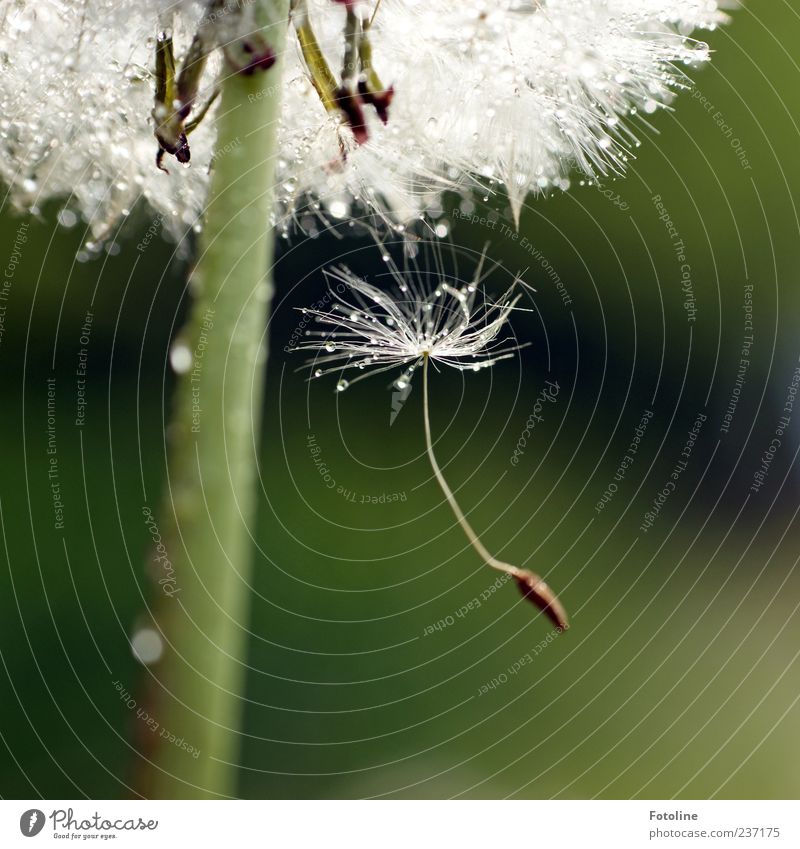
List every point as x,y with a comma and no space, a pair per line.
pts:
679,676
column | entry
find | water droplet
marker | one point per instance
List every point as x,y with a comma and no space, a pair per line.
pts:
330,347
180,358
67,218
342,385
338,209
147,646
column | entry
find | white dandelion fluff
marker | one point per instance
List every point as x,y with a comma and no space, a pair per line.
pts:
372,331
386,104
369,330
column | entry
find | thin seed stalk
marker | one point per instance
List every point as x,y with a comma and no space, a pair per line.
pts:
194,692
530,584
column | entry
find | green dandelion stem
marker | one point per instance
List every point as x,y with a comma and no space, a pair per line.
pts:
195,690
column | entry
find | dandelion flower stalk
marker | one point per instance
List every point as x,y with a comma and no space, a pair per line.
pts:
195,689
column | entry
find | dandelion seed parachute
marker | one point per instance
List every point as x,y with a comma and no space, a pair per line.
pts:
373,331
509,92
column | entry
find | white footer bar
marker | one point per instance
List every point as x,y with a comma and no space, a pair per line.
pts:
402,824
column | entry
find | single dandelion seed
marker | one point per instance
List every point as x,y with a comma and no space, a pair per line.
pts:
455,326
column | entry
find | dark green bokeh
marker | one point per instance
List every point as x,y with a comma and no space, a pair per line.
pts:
679,675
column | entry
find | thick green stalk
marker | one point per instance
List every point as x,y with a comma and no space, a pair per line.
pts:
194,690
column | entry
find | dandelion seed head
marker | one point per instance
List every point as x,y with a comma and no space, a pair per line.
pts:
511,95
